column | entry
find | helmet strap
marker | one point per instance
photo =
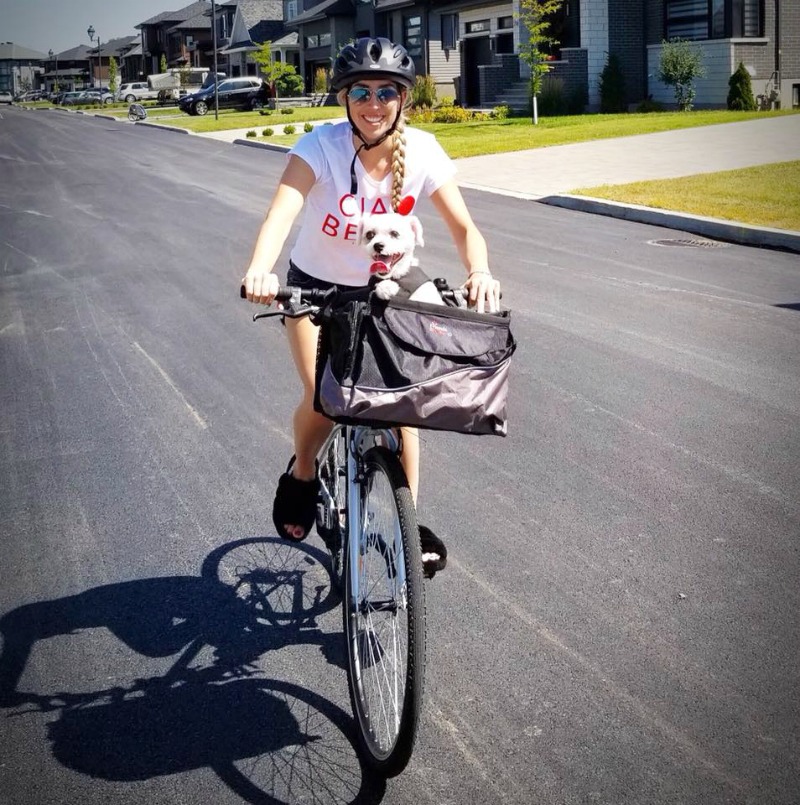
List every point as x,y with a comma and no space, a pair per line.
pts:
365,145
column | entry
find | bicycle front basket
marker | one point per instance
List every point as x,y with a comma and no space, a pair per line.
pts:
412,363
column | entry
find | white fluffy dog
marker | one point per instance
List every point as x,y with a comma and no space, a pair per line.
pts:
390,240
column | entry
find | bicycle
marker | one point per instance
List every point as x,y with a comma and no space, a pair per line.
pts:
136,112
367,519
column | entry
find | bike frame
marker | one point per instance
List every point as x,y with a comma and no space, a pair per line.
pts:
358,439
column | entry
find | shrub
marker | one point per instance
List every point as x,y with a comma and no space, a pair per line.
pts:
551,100
423,93
649,105
420,114
612,86
449,113
287,110
289,129
680,64
308,127
740,92
251,133
320,80
268,132
500,112
265,112
290,85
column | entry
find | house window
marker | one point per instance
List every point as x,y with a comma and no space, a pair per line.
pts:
713,19
505,23
291,9
325,39
687,19
413,35
449,31
312,41
478,27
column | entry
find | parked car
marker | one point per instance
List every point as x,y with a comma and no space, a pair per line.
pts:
6,97
30,95
87,97
136,91
68,98
232,93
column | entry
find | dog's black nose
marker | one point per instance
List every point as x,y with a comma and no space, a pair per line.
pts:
377,248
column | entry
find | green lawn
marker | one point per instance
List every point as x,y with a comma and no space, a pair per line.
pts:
767,195
516,134
231,119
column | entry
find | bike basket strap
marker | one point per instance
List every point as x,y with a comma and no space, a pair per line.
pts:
412,363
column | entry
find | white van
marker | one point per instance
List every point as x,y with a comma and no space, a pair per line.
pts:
137,91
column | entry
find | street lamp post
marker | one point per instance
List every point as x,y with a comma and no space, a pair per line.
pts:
55,83
90,30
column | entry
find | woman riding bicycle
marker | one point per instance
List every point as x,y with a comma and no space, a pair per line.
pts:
371,164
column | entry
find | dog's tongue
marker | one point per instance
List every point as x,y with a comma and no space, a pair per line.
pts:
378,267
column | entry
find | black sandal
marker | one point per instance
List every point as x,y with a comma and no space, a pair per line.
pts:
295,503
434,552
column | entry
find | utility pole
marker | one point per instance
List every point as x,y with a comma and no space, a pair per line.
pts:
214,46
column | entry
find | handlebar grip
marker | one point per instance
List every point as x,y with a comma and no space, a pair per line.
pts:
283,295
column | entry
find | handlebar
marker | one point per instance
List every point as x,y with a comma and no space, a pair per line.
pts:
306,301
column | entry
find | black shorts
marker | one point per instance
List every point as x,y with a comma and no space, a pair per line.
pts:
297,278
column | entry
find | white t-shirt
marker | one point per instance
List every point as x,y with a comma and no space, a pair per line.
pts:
325,247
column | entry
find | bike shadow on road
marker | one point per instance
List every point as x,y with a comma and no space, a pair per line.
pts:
269,740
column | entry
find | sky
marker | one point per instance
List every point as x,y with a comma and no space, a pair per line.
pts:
59,25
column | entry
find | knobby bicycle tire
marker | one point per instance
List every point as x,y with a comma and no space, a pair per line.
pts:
384,617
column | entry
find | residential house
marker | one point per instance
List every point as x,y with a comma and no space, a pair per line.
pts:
252,23
181,37
100,60
68,70
20,68
471,47
186,36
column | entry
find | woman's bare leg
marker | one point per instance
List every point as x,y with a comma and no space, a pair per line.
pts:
310,428
409,458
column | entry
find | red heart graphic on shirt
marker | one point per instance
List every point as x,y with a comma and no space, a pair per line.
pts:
406,205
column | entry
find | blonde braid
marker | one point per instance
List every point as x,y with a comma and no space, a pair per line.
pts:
398,162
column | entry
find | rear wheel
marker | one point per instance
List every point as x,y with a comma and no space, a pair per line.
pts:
130,98
384,616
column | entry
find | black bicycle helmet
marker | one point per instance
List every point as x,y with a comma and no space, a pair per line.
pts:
373,58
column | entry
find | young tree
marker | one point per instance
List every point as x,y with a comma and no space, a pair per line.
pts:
162,63
113,72
536,16
276,73
740,92
681,63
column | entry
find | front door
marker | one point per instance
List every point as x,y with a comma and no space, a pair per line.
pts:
477,51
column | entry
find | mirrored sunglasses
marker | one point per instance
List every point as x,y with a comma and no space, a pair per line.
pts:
383,94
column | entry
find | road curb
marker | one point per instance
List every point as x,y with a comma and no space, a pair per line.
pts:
175,129
716,228
265,146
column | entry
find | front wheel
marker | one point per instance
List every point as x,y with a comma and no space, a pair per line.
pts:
384,616
332,502
201,108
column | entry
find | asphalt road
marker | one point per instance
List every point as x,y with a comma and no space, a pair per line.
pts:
619,619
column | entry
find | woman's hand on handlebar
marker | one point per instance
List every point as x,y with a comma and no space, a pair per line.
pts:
483,292
260,287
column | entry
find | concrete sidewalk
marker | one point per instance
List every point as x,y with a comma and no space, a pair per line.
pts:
550,174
